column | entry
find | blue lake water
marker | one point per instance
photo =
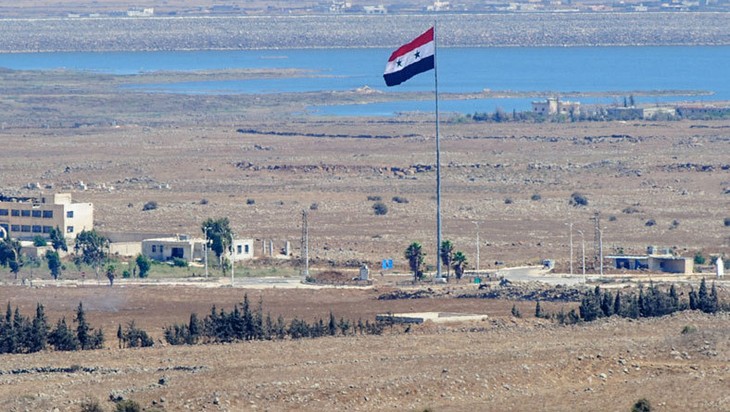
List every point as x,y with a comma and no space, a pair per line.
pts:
544,69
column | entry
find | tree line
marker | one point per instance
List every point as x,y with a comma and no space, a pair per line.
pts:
244,323
649,302
20,334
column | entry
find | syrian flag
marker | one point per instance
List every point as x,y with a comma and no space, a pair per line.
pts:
411,59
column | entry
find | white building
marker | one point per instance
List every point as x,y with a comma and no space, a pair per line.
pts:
24,218
191,249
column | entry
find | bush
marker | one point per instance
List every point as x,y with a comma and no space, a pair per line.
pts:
126,274
578,199
642,405
91,406
314,206
612,218
179,262
699,259
39,240
650,222
372,198
536,197
250,201
203,201
399,199
507,201
151,205
128,405
380,208
689,329
630,210
727,221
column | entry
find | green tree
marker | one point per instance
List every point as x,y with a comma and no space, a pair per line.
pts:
459,263
642,405
58,241
144,264
415,256
62,337
446,252
54,263
91,249
219,235
39,330
111,273
699,259
39,241
11,256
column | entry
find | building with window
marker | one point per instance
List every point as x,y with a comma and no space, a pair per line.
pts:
24,218
191,249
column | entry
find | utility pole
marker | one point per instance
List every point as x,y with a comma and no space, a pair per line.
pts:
205,251
233,256
305,247
583,247
600,246
596,238
477,224
571,247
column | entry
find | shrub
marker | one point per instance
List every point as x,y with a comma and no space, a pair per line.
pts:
250,201
203,201
372,198
630,210
650,222
126,274
507,201
179,262
578,199
699,259
727,221
675,224
689,329
151,205
612,218
91,406
39,240
127,405
536,197
399,199
516,311
642,405
314,206
380,208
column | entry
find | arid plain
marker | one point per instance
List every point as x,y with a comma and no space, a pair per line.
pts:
258,161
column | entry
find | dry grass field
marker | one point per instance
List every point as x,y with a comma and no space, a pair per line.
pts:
501,363
666,171
250,159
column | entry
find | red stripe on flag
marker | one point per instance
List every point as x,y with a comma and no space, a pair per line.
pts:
419,41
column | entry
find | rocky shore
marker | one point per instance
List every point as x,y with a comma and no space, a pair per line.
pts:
325,31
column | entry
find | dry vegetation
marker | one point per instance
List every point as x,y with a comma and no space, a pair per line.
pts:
179,154
501,363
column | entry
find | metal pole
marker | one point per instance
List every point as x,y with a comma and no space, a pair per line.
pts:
205,251
438,158
571,248
233,256
477,223
583,247
600,247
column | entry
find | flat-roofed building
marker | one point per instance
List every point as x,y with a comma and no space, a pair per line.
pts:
191,249
24,218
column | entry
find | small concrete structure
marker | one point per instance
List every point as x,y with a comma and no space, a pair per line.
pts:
720,268
420,317
364,272
657,260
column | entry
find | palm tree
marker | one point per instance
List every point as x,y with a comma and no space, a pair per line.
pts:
414,254
447,255
459,262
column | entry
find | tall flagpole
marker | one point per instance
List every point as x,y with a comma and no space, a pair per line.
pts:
438,156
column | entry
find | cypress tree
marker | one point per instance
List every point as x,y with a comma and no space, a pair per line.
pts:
82,328
607,304
332,325
39,330
704,302
617,309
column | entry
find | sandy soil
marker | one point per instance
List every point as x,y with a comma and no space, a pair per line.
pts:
502,363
